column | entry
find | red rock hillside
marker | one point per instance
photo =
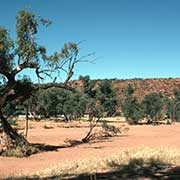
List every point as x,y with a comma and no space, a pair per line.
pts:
142,86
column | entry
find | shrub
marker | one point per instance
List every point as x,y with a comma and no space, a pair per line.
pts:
19,151
131,108
153,105
133,111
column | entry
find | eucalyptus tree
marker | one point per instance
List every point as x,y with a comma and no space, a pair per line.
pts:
131,107
55,101
153,105
106,94
24,52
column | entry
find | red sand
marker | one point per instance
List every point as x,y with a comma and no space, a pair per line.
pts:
146,135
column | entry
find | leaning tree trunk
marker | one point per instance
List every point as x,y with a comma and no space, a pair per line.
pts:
10,138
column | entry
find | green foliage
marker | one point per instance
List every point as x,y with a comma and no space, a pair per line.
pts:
55,101
153,108
25,52
131,108
88,86
129,90
176,112
153,105
26,28
6,42
107,97
177,94
90,92
102,98
170,107
6,46
173,107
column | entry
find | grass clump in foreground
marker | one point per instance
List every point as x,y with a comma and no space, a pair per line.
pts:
20,151
153,163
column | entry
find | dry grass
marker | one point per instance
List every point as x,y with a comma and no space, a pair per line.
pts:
48,126
93,165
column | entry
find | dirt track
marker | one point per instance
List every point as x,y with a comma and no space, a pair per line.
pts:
141,135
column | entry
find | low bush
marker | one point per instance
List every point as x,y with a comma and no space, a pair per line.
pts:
19,151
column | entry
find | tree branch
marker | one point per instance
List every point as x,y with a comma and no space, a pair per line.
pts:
50,85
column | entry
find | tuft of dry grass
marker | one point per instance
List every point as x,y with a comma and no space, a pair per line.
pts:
20,151
48,126
93,165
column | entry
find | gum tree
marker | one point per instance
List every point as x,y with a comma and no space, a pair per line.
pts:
25,53
106,94
132,109
153,105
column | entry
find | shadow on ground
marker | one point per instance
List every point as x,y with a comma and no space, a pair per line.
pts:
136,169
46,147
68,144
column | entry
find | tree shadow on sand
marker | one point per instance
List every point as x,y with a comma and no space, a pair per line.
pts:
35,148
68,144
136,169
45,147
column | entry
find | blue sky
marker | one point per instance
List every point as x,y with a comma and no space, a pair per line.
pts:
131,38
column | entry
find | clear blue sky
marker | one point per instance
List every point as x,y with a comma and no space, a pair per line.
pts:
132,38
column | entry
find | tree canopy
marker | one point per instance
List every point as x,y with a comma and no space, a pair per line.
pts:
24,52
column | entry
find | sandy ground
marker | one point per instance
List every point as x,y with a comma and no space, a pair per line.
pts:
140,135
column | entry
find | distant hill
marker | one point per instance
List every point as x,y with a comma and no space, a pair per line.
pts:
142,86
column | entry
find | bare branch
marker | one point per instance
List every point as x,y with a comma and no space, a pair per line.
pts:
50,85
24,65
